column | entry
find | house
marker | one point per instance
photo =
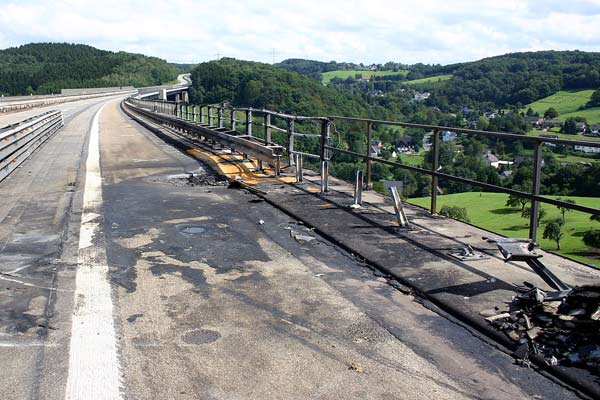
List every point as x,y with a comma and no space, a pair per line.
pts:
552,123
588,149
581,127
375,93
491,114
422,96
375,148
595,128
506,173
534,121
404,145
472,123
466,111
449,136
494,161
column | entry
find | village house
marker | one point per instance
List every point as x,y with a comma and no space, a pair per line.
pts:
422,96
404,145
581,127
534,121
449,136
595,129
552,123
494,161
588,149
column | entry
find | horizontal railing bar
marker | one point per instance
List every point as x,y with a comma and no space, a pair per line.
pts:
503,135
526,195
307,154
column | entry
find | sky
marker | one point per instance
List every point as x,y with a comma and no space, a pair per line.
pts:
371,31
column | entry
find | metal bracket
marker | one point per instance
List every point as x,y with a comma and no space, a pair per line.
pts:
400,214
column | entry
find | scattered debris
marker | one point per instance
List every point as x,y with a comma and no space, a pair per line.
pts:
261,222
301,238
356,367
318,275
563,327
206,180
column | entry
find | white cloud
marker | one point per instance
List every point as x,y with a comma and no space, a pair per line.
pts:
431,31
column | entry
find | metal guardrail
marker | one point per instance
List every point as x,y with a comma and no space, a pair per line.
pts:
245,144
19,140
7,105
206,114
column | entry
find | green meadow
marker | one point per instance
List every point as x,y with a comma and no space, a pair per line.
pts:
328,76
488,211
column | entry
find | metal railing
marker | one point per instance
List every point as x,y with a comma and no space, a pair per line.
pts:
7,105
215,116
247,144
19,140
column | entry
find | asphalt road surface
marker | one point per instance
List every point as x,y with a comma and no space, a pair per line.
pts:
121,279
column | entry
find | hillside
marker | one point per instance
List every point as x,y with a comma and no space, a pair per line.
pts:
520,78
568,104
259,85
43,68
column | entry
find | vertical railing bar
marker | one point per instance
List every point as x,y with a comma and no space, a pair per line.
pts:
435,165
535,205
369,182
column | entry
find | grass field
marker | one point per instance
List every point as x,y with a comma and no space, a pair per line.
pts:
431,79
567,103
416,160
488,211
328,76
538,132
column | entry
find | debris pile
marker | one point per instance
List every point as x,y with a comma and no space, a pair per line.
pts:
563,327
206,180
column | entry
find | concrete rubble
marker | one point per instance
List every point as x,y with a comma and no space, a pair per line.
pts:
563,328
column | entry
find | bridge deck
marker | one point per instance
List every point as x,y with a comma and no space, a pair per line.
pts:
213,292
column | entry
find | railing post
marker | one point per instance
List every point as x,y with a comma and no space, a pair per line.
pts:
210,117
358,188
201,115
194,113
249,122
299,172
290,141
233,122
435,165
220,116
535,205
325,132
369,182
267,129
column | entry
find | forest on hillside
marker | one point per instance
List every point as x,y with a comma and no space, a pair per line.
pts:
44,68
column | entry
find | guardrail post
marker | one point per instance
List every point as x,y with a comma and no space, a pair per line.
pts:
233,121
220,116
290,141
201,114
249,122
435,165
299,176
267,129
194,113
369,183
325,132
358,188
535,205
210,116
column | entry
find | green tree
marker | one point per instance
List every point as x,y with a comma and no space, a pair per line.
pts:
564,209
516,201
551,113
595,217
455,212
592,238
594,100
526,213
570,127
553,231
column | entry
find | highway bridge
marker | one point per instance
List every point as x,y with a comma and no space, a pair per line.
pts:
153,251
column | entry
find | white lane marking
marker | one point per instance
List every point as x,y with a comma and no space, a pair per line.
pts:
94,370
